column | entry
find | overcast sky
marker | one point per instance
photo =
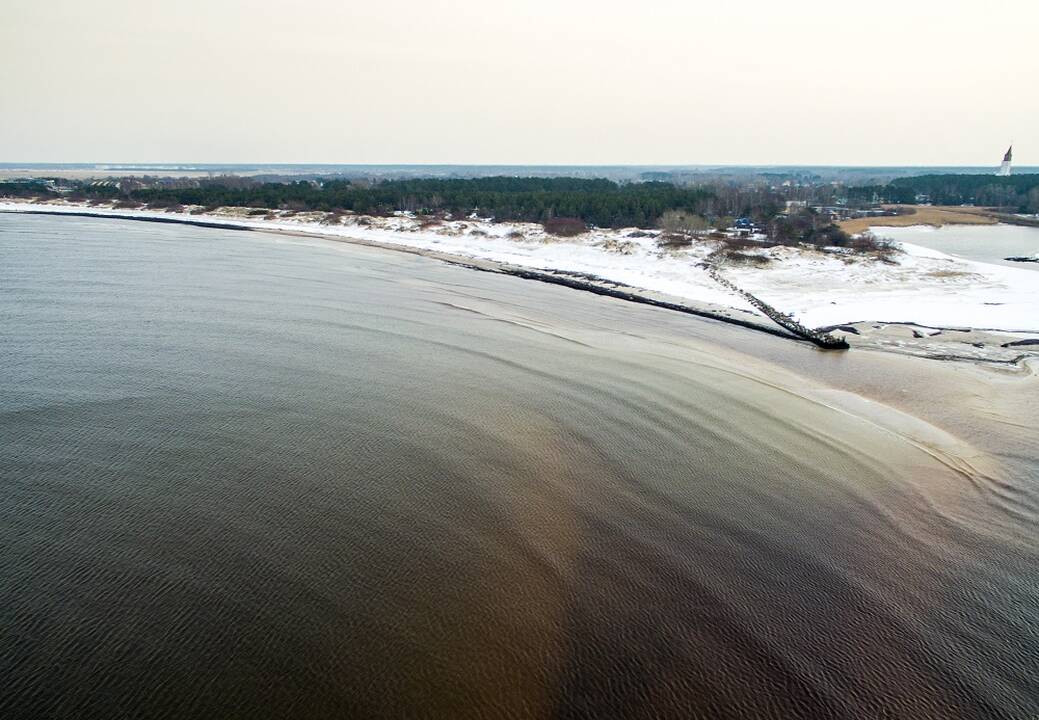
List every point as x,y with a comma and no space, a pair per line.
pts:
534,81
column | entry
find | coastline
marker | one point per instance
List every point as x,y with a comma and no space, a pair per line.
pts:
586,283
999,346
619,412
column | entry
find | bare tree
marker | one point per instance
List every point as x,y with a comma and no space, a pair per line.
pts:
679,221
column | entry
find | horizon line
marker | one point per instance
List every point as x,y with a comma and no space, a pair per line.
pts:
181,164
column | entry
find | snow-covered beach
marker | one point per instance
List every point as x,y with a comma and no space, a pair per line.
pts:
913,286
920,286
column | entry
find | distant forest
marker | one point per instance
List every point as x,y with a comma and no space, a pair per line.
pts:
598,202
1020,192
595,202
1016,192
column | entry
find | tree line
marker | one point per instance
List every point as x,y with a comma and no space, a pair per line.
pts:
565,206
602,203
1017,192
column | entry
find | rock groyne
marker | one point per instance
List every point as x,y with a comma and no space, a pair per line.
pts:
818,337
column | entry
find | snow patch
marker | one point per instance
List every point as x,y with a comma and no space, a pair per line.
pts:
918,285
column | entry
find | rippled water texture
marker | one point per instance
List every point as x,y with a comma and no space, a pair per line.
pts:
250,476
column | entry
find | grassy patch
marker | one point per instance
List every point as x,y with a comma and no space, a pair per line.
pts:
920,215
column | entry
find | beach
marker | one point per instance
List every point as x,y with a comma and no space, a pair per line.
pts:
921,302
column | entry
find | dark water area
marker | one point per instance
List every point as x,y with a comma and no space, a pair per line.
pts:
249,476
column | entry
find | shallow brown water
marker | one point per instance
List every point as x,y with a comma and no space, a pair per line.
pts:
245,476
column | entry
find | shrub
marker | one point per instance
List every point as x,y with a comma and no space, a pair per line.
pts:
742,258
808,227
830,235
732,244
870,244
679,221
866,242
565,226
674,241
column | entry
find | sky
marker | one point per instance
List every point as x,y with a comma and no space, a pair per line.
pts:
912,82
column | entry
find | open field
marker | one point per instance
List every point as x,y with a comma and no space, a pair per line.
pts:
936,215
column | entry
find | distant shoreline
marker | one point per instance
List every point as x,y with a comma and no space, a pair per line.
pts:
591,284
903,336
173,220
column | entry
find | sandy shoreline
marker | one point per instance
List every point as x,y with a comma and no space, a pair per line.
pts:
587,283
903,337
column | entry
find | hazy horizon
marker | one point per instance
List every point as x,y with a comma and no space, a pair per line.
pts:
144,164
457,83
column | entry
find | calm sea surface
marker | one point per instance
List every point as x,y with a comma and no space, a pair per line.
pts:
250,476
984,243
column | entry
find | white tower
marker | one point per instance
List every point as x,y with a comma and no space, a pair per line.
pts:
1004,169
